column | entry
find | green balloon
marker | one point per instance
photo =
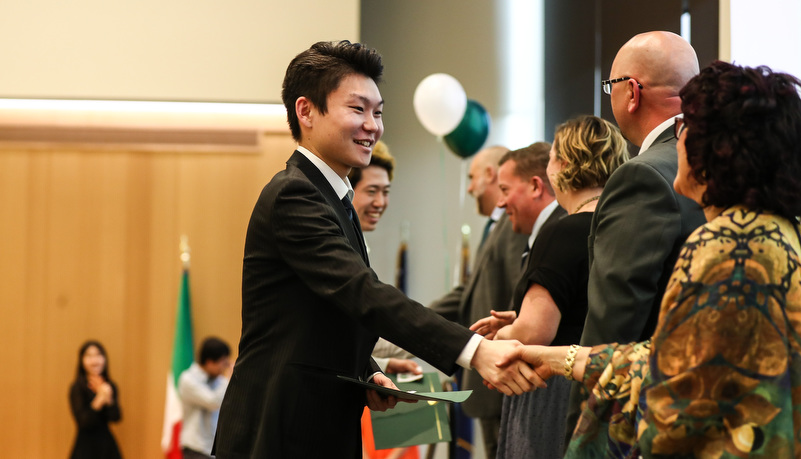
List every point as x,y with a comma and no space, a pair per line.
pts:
471,133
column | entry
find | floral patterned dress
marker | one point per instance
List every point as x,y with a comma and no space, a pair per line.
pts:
721,376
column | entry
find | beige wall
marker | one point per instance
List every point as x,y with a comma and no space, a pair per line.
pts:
162,50
90,233
90,249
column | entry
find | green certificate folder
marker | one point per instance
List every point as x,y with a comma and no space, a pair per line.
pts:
457,396
409,424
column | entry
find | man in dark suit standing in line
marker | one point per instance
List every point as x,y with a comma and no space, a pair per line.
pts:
641,222
311,306
489,286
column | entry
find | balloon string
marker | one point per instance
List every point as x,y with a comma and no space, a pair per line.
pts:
462,180
444,213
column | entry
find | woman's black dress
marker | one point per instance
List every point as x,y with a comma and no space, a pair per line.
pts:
533,424
94,440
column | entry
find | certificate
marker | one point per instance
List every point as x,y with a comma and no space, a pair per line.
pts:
457,396
408,424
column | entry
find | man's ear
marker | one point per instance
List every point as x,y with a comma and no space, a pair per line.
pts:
537,187
491,173
633,93
304,109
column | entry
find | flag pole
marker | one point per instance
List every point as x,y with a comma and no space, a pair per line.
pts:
182,357
185,252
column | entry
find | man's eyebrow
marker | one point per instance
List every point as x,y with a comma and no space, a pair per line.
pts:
365,99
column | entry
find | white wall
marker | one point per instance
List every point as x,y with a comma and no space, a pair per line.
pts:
473,42
767,32
162,49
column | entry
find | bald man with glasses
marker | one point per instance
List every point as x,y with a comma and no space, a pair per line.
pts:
641,222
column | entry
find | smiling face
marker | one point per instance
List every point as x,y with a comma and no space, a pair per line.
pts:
371,196
94,362
345,135
517,197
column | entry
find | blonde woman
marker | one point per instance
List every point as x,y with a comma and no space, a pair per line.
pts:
550,300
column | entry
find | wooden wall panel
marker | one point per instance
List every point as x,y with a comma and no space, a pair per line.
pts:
89,249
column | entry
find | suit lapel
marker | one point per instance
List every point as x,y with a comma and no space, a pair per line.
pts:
351,229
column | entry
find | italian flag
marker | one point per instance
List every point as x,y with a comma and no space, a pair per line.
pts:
181,360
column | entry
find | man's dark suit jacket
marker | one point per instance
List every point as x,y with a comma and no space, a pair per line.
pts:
637,231
636,234
311,310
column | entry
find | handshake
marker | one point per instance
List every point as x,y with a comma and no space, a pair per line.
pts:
512,368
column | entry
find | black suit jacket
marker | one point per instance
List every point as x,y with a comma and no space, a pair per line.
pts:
311,310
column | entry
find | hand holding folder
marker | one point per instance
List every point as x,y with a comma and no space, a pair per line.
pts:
411,424
449,397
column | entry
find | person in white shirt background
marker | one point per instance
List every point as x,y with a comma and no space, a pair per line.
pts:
201,388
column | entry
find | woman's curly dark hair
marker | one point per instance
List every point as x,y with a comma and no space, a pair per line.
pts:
744,137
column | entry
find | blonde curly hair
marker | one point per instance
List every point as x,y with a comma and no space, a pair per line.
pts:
591,148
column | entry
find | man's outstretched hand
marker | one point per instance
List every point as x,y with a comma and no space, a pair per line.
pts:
498,363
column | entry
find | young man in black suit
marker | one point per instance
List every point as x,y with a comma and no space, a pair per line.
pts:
312,308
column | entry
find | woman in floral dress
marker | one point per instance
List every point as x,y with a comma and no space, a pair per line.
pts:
721,376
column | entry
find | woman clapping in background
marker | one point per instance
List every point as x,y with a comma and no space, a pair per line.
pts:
93,399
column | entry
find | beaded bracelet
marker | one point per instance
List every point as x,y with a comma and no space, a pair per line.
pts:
570,359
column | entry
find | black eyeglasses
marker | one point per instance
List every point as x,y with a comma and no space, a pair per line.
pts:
607,84
678,126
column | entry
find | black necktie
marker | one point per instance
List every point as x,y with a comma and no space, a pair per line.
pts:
356,225
348,207
487,229
524,259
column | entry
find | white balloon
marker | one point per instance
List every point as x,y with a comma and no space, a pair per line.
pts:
440,103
